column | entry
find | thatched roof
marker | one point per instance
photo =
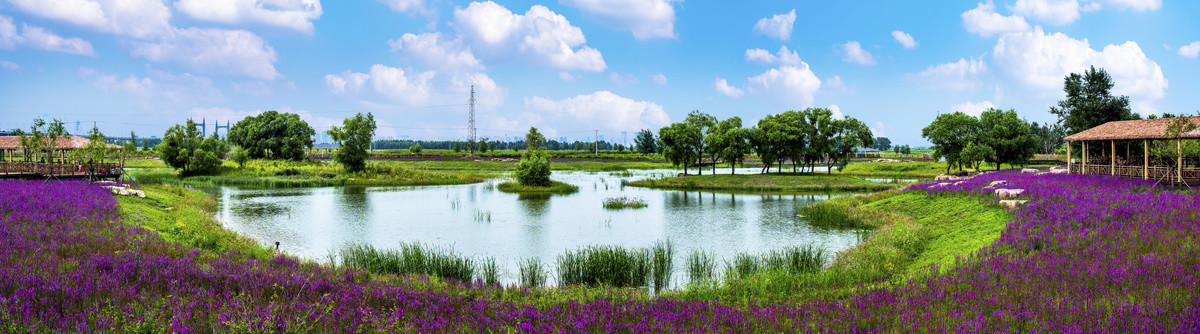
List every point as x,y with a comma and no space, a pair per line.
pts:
1138,129
65,143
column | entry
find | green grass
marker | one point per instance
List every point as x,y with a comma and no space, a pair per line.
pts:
554,188
617,203
184,216
415,258
765,182
292,174
908,169
491,166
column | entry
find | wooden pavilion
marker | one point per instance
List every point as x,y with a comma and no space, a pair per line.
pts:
1125,148
61,164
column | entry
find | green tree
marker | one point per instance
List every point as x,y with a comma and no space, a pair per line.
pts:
273,135
702,123
457,147
680,144
35,142
54,131
1050,137
146,145
1008,136
415,148
131,146
23,141
484,146
646,144
240,157
882,143
184,148
534,168
851,134
1089,102
906,150
950,134
974,154
737,146
354,139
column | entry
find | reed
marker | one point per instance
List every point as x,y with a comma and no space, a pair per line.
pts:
410,258
533,273
490,271
605,265
787,261
661,255
616,203
701,266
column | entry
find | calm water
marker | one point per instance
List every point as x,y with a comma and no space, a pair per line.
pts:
478,220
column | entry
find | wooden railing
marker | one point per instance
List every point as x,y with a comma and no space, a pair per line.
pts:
1155,172
59,169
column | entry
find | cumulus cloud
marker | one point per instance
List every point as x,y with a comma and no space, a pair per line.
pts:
1056,12
292,14
835,84
1039,61
156,85
646,19
1135,5
1190,50
984,20
722,87
960,75
135,18
781,57
659,79
788,87
837,111
852,52
391,82
601,109
212,51
433,50
904,39
540,35
402,6
777,26
40,39
973,109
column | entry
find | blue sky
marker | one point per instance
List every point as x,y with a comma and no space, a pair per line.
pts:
575,66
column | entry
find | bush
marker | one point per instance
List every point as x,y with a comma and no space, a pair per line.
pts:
415,149
534,169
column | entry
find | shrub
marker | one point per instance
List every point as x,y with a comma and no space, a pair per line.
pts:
534,169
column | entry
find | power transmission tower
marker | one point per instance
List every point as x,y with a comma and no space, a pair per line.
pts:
217,127
471,118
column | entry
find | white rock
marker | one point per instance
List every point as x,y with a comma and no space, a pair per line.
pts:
996,183
1028,171
1012,203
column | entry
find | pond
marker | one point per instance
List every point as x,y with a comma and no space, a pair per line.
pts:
480,221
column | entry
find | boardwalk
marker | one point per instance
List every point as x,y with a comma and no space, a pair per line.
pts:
32,170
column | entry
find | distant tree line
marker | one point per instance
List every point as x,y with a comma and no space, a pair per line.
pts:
485,145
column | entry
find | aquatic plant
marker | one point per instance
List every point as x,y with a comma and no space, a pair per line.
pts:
701,266
624,203
533,274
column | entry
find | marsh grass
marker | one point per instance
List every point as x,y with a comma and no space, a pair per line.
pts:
483,216
617,203
490,271
661,256
410,258
701,267
605,265
532,273
788,261
555,187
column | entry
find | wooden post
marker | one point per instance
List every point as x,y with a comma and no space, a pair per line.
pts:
1068,157
1085,158
1113,158
1145,159
1179,163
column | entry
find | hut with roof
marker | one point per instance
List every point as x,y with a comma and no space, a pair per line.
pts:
1128,148
60,162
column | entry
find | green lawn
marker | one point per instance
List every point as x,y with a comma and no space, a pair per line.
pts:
765,182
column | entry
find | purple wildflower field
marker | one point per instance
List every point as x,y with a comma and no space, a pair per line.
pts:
1086,254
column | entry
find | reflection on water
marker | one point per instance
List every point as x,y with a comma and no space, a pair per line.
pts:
312,222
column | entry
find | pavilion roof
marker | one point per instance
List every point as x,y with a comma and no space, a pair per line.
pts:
71,142
1136,129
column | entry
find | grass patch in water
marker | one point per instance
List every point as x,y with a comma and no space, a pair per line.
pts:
617,203
554,188
410,259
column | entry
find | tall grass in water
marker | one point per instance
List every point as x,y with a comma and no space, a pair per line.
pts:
701,266
605,265
411,258
789,261
533,274
661,255
490,271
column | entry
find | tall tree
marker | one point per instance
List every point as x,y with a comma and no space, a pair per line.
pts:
273,135
36,141
1089,102
131,146
646,144
680,144
950,134
882,144
183,147
851,134
1008,136
354,139
54,131
702,123
720,138
534,168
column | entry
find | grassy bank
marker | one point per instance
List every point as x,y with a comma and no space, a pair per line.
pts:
765,182
184,216
287,174
911,169
554,188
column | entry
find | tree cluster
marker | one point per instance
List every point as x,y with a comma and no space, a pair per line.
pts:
1089,102
997,136
183,147
273,135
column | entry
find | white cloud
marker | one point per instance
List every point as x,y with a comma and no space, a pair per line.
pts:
433,50
603,110
904,39
778,26
646,19
659,79
852,52
391,82
213,51
8,65
789,87
567,76
782,57
837,111
40,39
156,85
984,20
960,75
1136,5
722,87
292,14
1056,12
402,6
540,36
877,130
835,84
1039,61
973,109
1190,50
624,80
136,18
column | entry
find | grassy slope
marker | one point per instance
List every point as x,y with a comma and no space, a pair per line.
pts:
765,182
184,216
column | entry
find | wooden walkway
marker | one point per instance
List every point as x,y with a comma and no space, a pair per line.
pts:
15,170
